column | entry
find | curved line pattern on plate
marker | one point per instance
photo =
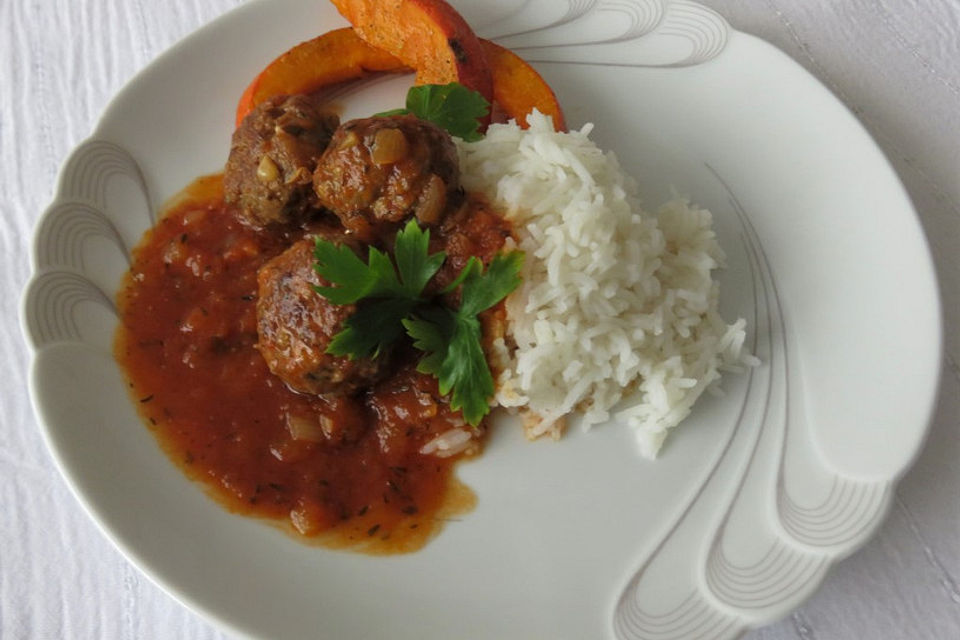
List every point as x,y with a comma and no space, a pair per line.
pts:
694,614
606,21
846,514
89,170
63,253
692,619
534,15
852,509
52,302
641,17
703,27
66,228
651,33
792,545
781,572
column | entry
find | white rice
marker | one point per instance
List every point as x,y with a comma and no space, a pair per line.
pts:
617,314
449,443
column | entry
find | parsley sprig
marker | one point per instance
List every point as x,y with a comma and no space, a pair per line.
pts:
390,301
451,337
390,294
452,107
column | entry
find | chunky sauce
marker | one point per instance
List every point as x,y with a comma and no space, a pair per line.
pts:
187,342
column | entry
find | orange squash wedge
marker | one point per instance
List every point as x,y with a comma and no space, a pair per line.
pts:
427,35
336,56
518,88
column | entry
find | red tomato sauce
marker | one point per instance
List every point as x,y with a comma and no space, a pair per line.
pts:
187,343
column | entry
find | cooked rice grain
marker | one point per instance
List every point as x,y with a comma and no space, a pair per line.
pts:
617,314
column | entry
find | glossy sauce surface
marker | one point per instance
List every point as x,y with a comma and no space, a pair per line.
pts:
187,343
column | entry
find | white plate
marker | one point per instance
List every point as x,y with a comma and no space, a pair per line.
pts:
755,495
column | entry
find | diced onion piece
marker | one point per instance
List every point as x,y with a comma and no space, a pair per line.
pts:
267,170
304,428
432,201
389,146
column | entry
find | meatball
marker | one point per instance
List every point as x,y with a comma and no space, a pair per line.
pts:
295,325
379,171
272,157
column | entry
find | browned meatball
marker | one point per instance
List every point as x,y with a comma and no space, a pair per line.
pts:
295,325
272,157
377,172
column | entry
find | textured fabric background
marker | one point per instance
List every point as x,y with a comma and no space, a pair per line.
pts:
895,63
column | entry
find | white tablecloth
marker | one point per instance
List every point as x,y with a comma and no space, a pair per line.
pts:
895,63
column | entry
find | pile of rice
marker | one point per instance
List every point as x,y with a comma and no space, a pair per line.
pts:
617,314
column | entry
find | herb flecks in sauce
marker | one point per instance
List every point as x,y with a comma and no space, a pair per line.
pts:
223,417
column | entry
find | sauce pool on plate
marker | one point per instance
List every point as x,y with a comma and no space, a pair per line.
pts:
345,471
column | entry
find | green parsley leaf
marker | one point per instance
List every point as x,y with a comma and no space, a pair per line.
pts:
354,280
389,299
392,112
455,356
383,297
431,330
452,107
465,371
473,264
452,339
416,266
483,290
338,264
372,329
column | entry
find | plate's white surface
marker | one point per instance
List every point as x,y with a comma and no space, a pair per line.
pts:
753,497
